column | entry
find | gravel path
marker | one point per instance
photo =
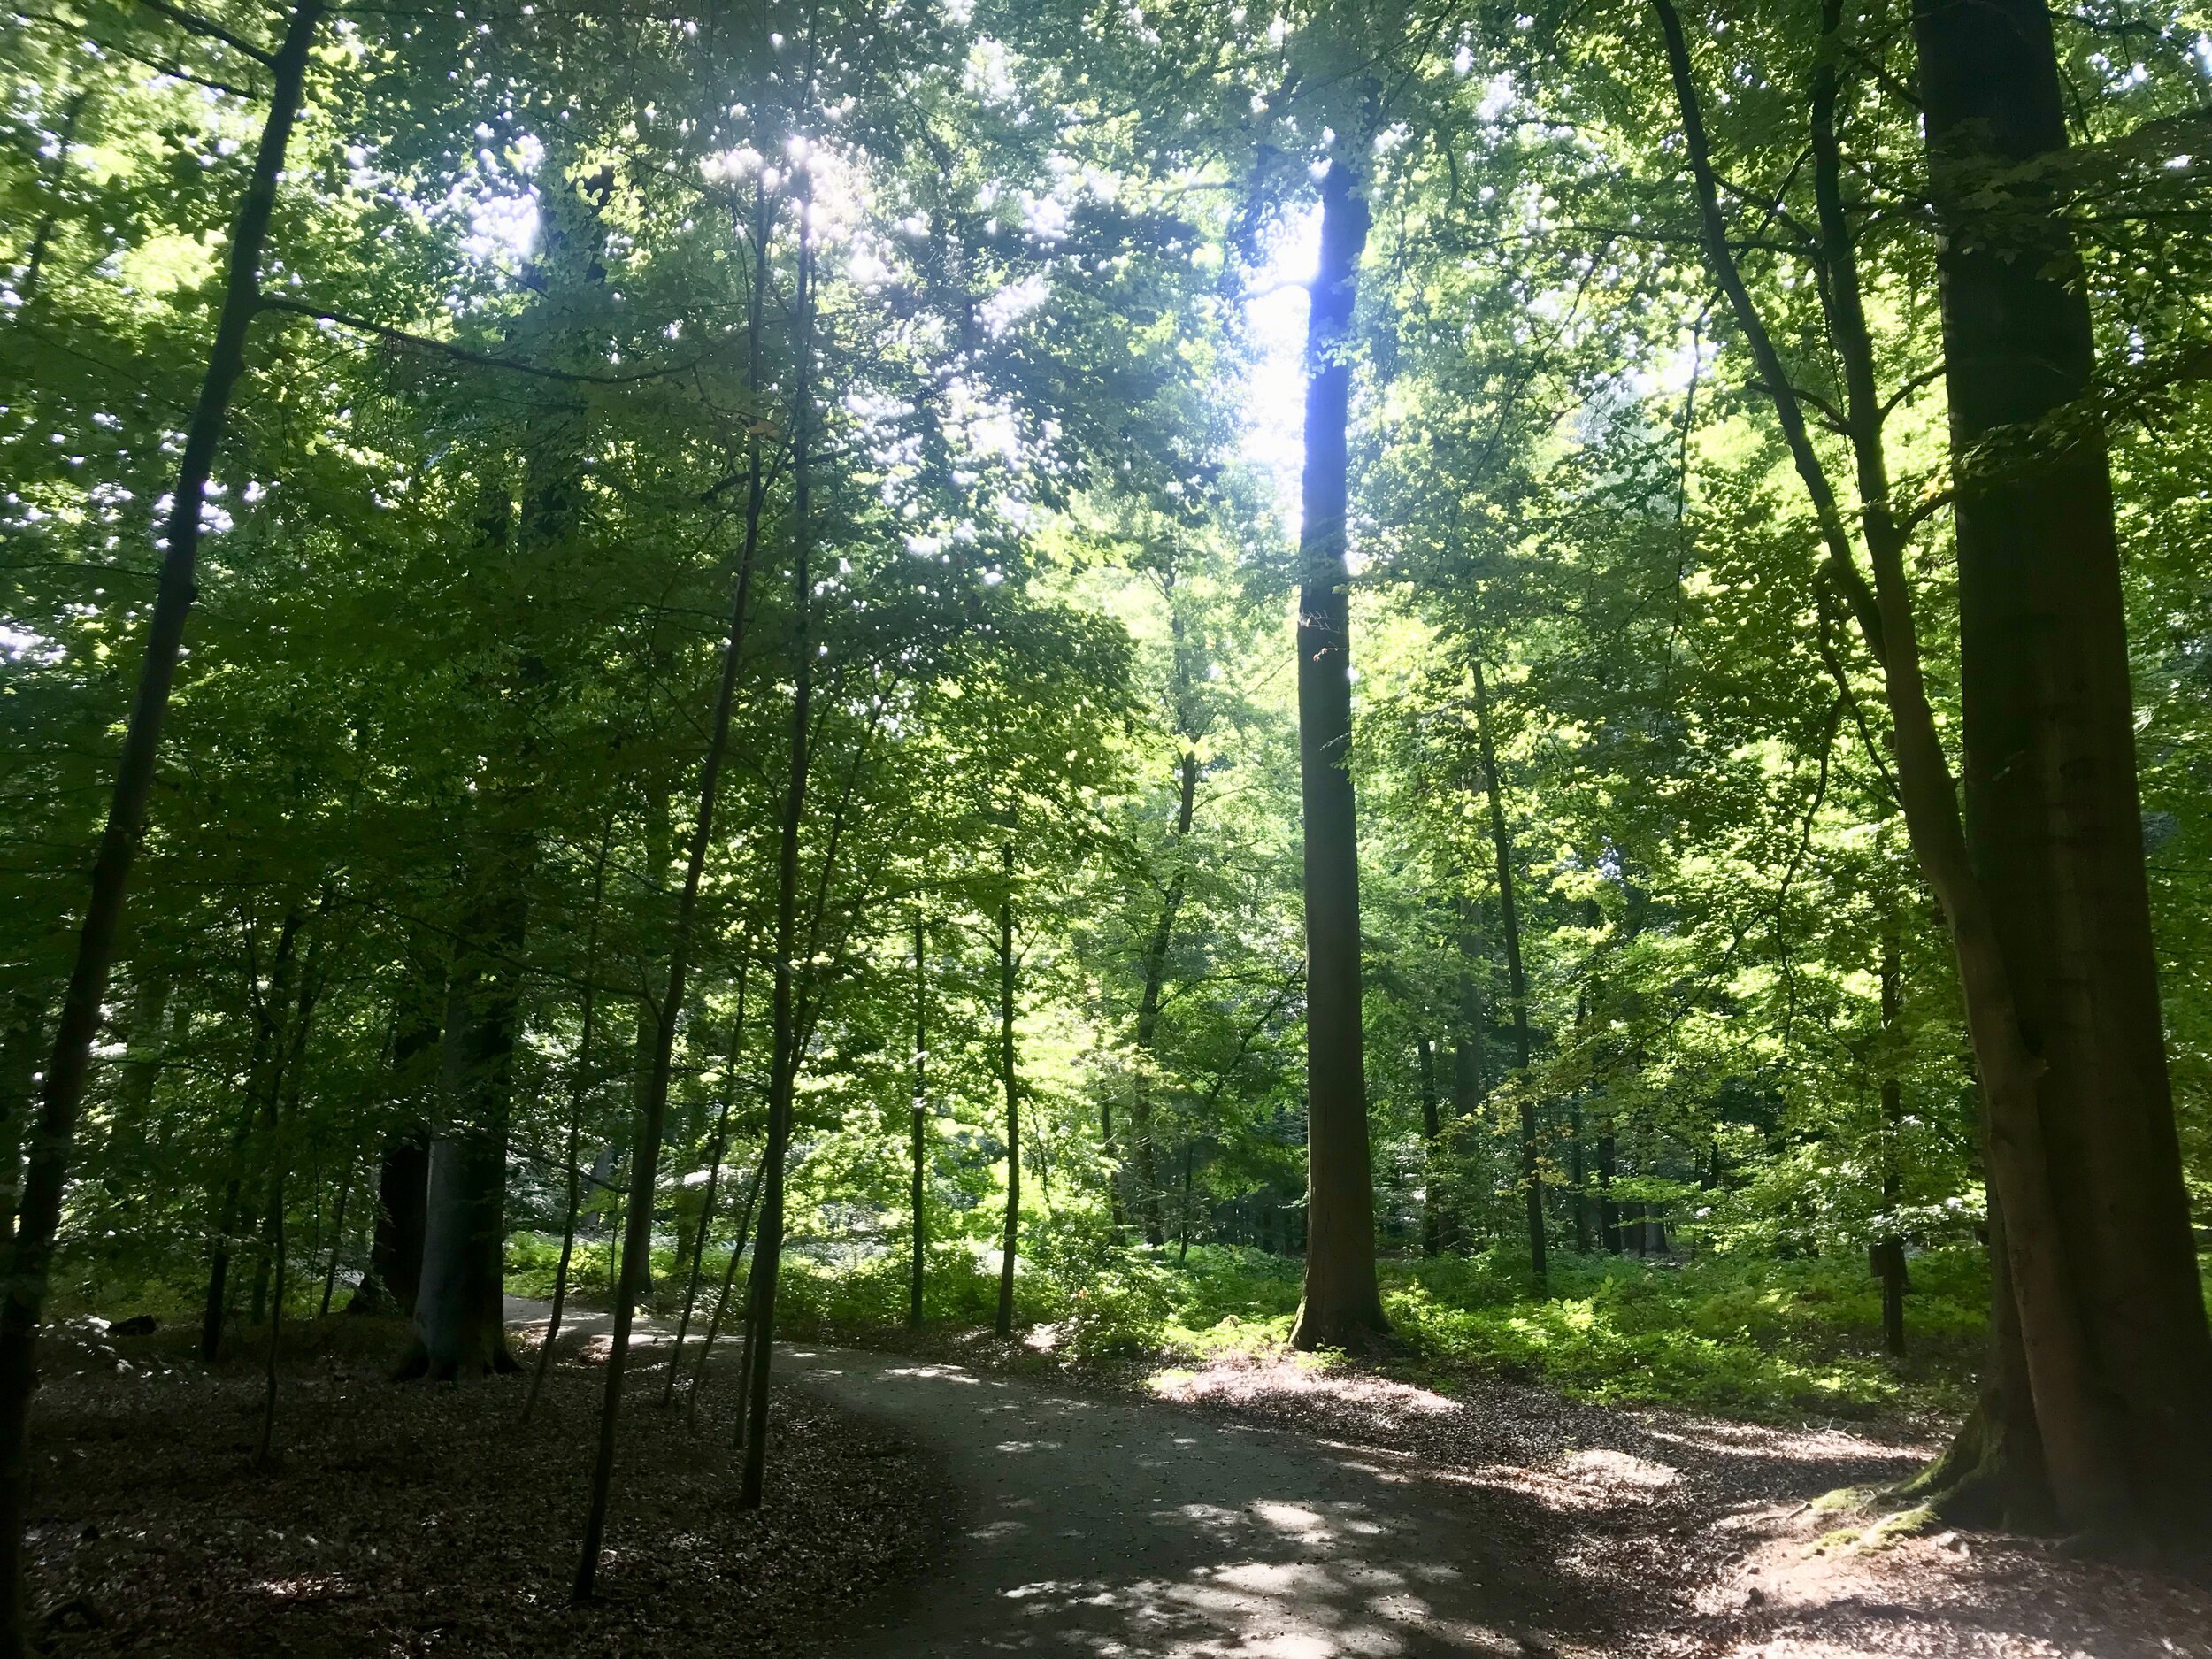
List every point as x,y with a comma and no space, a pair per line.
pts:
1099,1528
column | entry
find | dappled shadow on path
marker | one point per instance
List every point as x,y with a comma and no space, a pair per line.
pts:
1683,1534
1095,1527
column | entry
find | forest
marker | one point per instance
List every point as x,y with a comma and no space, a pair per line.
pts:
1475,732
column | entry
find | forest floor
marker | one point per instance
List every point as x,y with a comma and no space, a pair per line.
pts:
1261,1505
404,1519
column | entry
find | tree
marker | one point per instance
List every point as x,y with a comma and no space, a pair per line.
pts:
1341,1306
31,1253
2053,816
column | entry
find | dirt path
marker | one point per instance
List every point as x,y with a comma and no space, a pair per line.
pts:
1284,1513
1144,1530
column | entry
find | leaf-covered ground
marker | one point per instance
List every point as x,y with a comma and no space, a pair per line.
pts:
406,1519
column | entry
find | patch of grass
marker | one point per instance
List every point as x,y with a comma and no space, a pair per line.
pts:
1745,1337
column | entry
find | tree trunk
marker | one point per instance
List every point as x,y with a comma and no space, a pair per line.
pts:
653,1110
784,1062
1609,1212
19,1087
580,1082
284,1090
337,1235
459,1324
263,1455
1011,1239
921,1119
261,1085
1432,1131
714,1180
402,1192
1155,955
2053,818
1182,1246
1470,1080
1517,979
403,1171
722,1302
2045,893
31,1255
1341,1306
1889,1249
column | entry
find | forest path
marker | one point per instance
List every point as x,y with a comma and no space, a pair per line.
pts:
1146,1531
1143,1530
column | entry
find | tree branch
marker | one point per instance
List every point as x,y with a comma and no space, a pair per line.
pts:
462,354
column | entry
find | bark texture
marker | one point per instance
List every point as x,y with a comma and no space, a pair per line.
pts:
2053,818
1341,1306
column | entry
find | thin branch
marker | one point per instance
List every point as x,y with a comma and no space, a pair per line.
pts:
462,354
193,23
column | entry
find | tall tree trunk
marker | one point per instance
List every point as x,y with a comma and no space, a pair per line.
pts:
580,1082
1470,1043
403,1183
19,1087
1182,1244
1341,1306
264,1452
1516,977
921,1119
460,1321
653,1111
261,1085
285,1090
722,1302
2053,816
1609,1211
1889,1249
31,1255
714,1180
784,1063
2043,675
1155,955
1578,1175
141,1066
1011,1239
337,1235
1431,1131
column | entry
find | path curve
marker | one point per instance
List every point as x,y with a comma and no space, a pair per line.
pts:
1144,1531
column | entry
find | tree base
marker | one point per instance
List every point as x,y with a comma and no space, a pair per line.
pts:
416,1365
1986,1478
1369,1336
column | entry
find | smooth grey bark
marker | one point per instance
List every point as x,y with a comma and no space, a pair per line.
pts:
1341,1302
30,1255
